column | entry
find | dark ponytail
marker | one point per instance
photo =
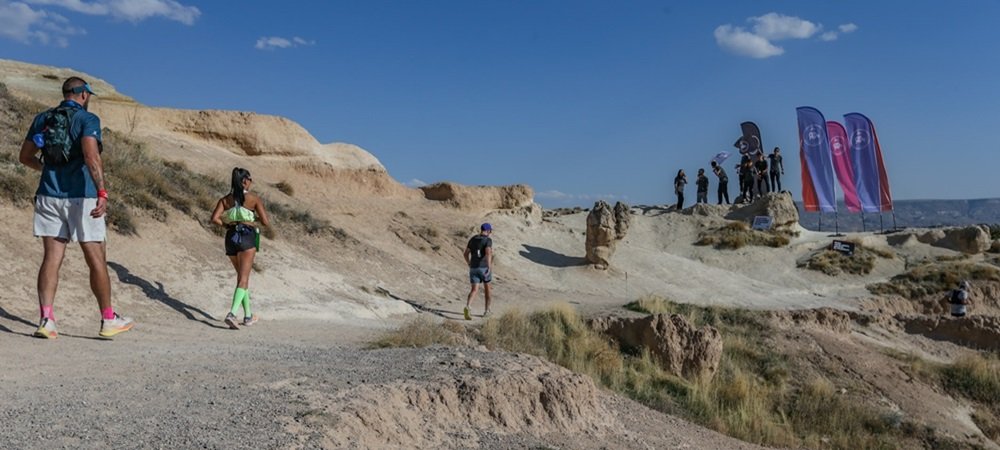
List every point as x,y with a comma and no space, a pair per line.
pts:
239,174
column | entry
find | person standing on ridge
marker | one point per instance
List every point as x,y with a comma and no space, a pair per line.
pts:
479,257
777,169
702,183
763,186
71,201
723,182
679,182
746,181
238,211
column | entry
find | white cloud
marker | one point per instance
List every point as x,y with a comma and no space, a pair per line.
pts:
744,43
765,30
275,42
415,183
131,10
775,27
21,23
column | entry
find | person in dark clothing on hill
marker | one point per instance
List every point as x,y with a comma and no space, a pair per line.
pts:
702,183
777,169
760,166
723,182
679,182
479,257
746,182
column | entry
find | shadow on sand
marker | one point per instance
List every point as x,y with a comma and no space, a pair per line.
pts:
550,258
157,293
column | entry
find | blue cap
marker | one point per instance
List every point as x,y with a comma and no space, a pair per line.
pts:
486,227
81,89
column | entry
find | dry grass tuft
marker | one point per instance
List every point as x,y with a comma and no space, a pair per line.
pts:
973,377
285,188
934,278
561,336
735,235
423,331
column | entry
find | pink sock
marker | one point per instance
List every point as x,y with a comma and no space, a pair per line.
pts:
107,313
47,313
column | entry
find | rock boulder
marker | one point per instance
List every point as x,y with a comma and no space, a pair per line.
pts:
778,205
677,345
605,227
971,239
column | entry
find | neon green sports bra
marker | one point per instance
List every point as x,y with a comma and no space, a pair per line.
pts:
238,214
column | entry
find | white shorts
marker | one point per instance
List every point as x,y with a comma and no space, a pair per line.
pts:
68,218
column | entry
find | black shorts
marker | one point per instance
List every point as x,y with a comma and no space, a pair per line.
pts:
240,238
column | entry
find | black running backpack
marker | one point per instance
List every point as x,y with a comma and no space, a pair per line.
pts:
55,135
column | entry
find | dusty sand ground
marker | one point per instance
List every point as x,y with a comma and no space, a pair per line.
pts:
179,383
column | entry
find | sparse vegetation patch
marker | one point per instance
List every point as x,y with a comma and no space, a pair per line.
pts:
935,278
754,396
834,263
735,235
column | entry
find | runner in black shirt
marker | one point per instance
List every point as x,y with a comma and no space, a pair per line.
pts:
479,257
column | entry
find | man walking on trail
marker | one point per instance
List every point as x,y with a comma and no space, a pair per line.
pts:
723,181
479,256
70,201
777,169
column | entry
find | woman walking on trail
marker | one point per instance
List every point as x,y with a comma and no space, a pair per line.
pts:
679,181
239,211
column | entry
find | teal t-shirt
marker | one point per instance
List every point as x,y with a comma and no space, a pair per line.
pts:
73,179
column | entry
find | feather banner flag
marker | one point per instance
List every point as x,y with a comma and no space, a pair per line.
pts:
870,178
818,190
839,149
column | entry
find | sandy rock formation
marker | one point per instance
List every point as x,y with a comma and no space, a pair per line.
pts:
779,205
971,239
680,348
623,219
526,395
982,332
480,197
605,227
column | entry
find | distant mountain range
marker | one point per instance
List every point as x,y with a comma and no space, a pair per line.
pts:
911,214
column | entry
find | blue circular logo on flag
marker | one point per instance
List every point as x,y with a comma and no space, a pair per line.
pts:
860,138
812,136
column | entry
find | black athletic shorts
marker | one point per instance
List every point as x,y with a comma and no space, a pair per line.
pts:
240,238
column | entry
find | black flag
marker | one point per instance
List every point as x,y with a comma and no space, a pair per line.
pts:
750,142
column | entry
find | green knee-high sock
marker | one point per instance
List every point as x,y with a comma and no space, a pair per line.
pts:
238,297
246,305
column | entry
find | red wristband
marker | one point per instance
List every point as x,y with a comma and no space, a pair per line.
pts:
102,194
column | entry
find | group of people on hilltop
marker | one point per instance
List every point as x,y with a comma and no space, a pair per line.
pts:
756,177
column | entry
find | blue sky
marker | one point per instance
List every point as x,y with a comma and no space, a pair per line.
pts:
581,100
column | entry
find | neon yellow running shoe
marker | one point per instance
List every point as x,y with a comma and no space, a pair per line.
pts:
468,316
47,329
114,326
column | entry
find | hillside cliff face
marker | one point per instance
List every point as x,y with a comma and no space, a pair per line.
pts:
241,133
